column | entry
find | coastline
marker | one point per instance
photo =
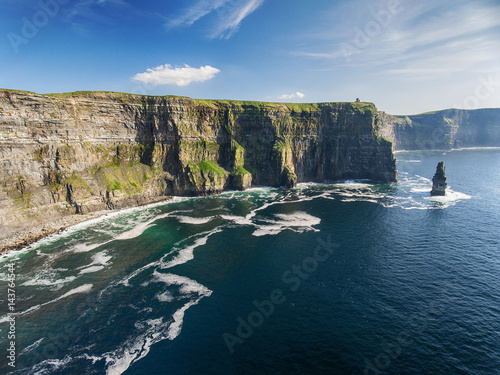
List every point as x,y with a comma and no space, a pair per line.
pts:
452,149
29,236
39,232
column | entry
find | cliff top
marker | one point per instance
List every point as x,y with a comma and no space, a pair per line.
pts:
214,103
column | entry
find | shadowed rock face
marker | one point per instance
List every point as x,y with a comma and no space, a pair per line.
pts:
439,180
81,152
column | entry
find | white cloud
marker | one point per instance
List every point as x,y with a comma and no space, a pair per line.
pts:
230,15
296,95
166,75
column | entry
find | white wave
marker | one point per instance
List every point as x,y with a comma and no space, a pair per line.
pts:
134,349
420,189
81,289
105,216
260,188
84,248
186,254
176,326
136,231
166,296
137,347
50,365
239,220
32,346
49,277
141,228
126,280
297,221
194,220
41,281
450,197
187,285
91,269
353,184
99,262
85,288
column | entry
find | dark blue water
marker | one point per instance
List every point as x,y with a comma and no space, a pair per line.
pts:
349,278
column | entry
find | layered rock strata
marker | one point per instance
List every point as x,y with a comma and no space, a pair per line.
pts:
68,154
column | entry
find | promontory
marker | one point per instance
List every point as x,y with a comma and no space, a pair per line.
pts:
74,153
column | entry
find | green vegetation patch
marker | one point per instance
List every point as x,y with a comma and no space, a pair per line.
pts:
129,179
17,91
74,180
207,166
302,107
364,107
240,171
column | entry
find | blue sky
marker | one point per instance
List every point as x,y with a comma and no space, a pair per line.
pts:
405,56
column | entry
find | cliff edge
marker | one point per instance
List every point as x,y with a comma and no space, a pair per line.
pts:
443,130
74,153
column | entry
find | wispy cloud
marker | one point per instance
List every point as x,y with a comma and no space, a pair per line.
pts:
180,76
193,14
424,39
84,14
230,14
296,95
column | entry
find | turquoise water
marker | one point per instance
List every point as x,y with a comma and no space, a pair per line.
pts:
346,278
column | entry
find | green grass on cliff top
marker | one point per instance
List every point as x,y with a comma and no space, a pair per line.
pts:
213,103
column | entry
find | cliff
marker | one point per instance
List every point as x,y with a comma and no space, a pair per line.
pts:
75,153
443,130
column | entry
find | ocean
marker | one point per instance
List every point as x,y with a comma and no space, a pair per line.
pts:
338,278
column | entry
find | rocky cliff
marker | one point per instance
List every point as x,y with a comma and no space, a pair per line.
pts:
439,184
74,153
443,130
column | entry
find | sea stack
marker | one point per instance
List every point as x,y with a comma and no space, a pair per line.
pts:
439,180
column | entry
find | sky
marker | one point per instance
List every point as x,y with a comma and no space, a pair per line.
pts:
405,56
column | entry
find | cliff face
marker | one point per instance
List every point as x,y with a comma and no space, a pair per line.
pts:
75,153
442,130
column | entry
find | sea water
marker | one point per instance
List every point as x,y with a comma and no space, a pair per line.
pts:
341,278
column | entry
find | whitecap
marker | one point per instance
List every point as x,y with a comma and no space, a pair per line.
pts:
166,296
188,286
99,261
43,280
91,269
297,221
35,345
84,248
142,227
239,220
137,347
49,277
50,365
194,220
186,254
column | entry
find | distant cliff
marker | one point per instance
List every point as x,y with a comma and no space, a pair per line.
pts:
443,130
80,152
